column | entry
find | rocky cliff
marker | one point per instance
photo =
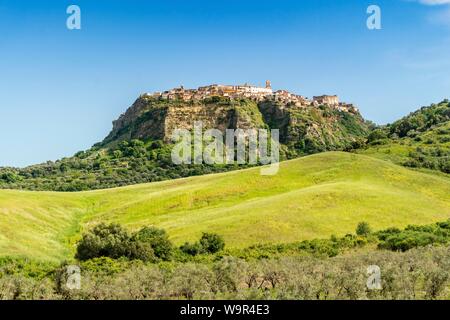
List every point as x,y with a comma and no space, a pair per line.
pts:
305,129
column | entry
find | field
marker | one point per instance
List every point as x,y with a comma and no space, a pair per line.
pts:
311,197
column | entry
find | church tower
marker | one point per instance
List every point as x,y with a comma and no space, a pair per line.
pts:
268,84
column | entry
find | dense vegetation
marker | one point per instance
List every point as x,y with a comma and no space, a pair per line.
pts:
130,162
417,274
150,244
275,273
419,140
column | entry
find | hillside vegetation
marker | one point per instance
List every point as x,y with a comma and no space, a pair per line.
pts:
419,140
311,197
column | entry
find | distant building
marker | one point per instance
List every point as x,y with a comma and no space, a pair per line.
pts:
252,92
327,100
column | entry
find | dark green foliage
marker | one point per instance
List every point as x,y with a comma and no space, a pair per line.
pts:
157,239
209,243
192,249
377,134
21,266
407,240
331,247
422,120
212,242
114,242
103,241
127,163
425,133
363,229
414,236
9,176
149,244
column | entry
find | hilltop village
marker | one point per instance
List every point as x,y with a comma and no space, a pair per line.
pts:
252,92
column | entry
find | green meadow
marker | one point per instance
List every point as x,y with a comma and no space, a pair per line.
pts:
311,197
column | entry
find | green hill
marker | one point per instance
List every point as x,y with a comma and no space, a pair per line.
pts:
419,140
311,197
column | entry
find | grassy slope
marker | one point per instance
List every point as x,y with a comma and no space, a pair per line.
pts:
312,197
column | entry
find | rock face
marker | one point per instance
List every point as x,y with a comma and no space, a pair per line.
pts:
150,118
322,128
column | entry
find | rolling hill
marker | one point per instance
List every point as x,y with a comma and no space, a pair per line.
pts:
310,197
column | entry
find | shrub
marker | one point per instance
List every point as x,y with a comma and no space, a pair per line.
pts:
114,242
209,243
157,239
140,251
384,234
212,242
363,229
192,249
103,241
9,177
377,134
407,240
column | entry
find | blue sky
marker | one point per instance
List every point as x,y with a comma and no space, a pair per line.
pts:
60,89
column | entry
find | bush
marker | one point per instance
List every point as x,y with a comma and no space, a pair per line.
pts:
377,134
140,251
208,243
103,241
114,242
157,239
407,240
212,242
363,229
192,249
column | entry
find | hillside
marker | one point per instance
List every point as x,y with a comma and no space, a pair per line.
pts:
138,149
311,197
419,140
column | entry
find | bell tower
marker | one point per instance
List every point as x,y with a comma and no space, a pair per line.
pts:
268,84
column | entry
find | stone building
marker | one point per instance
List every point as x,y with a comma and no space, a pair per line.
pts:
327,100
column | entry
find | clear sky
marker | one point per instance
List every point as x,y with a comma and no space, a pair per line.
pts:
60,89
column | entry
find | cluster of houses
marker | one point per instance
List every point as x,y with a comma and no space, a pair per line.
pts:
251,92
